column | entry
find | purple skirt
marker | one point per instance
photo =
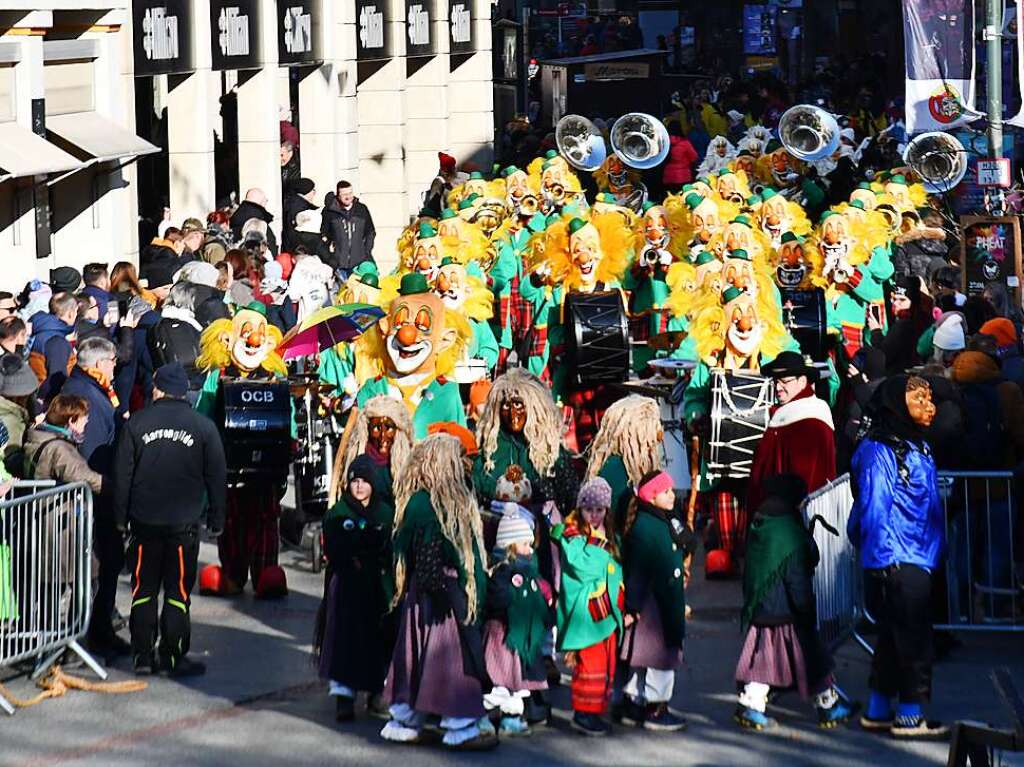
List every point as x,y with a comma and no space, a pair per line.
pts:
773,655
643,643
503,665
427,668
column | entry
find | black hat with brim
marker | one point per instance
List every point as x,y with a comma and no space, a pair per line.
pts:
790,364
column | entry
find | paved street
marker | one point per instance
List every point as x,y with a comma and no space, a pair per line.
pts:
261,704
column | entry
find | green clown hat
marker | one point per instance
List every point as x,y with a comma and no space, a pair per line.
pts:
827,215
739,254
576,224
413,283
256,306
791,237
476,176
898,179
647,206
754,200
448,213
693,200
370,278
858,204
730,294
469,201
551,154
426,231
509,171
705,257
741,219
865,185
767,193
448,261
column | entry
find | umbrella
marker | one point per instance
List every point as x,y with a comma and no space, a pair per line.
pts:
328,327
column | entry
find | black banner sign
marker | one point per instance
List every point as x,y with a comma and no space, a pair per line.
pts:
235,34
162,31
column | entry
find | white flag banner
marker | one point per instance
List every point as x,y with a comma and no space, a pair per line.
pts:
1018,119
939,37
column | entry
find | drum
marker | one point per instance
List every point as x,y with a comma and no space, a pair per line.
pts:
255,424
803,314
597,338
313,479
740,405
674,452
470,370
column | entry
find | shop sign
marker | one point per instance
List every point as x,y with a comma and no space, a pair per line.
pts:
235,38
617,70
418,21
461,25
298,32
162,41
373,40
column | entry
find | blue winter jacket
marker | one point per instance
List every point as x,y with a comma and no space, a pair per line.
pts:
897,517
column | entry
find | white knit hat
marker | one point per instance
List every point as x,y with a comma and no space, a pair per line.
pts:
949,336
514,527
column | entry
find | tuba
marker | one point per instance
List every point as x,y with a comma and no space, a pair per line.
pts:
580,142
639,140
938,158
809,133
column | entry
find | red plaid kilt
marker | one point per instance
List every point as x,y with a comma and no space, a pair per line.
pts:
853,339
729,515
538,342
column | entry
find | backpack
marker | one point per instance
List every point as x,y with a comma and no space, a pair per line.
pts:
984,435
172,340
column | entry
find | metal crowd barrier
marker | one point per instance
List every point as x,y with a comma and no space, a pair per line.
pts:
45,575
838,587
984,579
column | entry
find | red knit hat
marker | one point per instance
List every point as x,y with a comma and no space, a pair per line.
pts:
1002,330
457,430
446,161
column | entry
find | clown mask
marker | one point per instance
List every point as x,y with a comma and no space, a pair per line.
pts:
656,232
709,277
517,186
720,147
452,285
427,257
782,169
250,342
774,217
474,186
835,246
745,163
585,254
739,273
728,187
706,221
866,197
745,329
703,189
618,173
739,237
900,194
792,268
415,333
490,215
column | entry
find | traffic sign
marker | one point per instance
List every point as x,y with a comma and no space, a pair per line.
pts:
994,172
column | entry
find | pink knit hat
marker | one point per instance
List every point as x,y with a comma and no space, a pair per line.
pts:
657,484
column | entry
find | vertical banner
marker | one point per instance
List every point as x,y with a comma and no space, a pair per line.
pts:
939,43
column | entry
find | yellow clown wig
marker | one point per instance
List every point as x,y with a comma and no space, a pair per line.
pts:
543,428
552,246
215,348
435,466
603,178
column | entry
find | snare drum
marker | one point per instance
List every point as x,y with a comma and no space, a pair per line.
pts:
598,338
740,404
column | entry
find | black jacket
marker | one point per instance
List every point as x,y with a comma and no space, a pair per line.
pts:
248,210
169,462
292,206
350,231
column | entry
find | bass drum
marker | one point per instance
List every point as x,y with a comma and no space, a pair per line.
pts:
740,411
597,338
803,314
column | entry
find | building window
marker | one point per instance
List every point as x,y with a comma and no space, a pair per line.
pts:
69,86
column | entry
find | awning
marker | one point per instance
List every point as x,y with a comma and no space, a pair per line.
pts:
23,153
98,137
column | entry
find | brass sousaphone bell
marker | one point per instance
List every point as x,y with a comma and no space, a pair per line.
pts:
640,140
939,159
809,133
580,143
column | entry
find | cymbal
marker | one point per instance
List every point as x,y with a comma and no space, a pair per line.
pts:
667,341
300,389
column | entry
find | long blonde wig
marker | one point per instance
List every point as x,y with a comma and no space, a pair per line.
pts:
543,429
630,429
435,465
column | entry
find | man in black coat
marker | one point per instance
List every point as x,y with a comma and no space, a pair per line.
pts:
92,378
254,206
299,197
170,462
348,225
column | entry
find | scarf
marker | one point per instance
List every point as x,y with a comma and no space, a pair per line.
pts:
774,540
99,377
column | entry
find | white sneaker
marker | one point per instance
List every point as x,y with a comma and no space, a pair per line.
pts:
399,733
